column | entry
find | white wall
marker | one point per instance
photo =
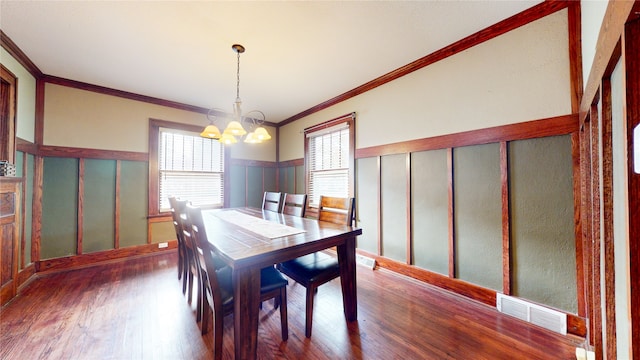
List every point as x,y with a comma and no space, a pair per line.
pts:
488,85
592,13
26,95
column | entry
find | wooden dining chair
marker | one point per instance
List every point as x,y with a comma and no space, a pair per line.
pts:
218,285
294,204
318,268
187,267
272,201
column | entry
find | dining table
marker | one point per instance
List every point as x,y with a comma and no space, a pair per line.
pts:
249,239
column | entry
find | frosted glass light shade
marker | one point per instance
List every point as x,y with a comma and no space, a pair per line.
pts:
234,128
228,139
262,134
211,132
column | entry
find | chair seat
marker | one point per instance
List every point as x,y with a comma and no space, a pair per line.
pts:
270,279
312,266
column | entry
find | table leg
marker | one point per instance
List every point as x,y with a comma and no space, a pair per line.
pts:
347,259
246,308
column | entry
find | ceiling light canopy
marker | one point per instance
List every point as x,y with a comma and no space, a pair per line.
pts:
257,133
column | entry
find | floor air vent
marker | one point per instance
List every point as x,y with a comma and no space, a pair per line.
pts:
535,314
366,261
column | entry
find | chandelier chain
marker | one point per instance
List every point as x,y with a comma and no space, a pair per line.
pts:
238,78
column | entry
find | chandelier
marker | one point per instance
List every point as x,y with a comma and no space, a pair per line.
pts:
257,133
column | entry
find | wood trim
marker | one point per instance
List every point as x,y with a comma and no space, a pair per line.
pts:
39,120
26,146
8,127
575,54
609,348
25,275
559,125
596,320
257,163
506,224
523,18
450,216
80,235
100,257
631,50
610,32
82,153
409,250
23,212
116,225
288,163
18,55
379,200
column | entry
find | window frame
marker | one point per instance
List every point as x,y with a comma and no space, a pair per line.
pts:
349,119
154,171
8,128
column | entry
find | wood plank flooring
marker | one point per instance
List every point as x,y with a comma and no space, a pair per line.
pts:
134,309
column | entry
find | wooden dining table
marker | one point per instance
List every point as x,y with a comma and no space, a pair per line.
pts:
250,239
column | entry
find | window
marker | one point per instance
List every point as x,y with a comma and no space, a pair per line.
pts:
188,167
329,149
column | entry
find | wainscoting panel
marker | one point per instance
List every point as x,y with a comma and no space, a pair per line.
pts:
133,203
478,215
367,203
430,210
394,206
254,185
543,239
270,180
59,207
98,205
237,186
27,195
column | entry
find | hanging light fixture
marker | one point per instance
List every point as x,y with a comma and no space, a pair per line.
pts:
257,133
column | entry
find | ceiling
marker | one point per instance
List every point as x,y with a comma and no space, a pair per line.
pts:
298,53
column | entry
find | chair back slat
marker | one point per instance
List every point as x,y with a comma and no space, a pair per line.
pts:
337,210
272,201
294,204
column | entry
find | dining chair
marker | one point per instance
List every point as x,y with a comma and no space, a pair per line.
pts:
218,284
294,204
187,267
318,268
272,201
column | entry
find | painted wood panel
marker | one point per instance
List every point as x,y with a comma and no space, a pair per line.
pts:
28,207
478,215
255,189
270,179
99,205
393,207
543,241
430,210
133,203
59,207
237,186
367,203
301,186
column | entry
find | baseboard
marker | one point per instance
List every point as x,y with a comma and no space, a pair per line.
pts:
84,260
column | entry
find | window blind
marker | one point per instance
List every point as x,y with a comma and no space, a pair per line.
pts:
191,168
328,164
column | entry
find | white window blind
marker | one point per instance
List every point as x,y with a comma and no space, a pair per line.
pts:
190,167
328,163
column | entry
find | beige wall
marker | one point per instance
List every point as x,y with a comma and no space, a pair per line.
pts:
85,119
26,108
489,85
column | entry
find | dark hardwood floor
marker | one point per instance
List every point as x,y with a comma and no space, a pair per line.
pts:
134,309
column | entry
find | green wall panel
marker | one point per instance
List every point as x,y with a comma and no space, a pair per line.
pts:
59,207
270,183
237,186
301,187
133,203
394,206
99,205
430,210
367,203
255,189
478,215
28,194
162,232
543,239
